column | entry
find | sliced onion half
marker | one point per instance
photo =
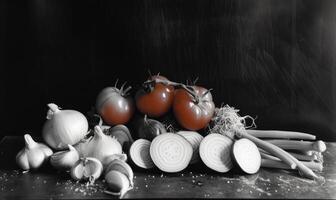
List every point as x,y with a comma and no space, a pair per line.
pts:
139,153
195,140
171,152
215,150
247,155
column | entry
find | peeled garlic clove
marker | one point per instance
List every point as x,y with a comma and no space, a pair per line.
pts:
117,182
64,160
87,169
121,166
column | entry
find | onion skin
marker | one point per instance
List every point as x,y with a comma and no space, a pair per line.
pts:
64,127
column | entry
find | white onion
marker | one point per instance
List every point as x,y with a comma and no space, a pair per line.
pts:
64,127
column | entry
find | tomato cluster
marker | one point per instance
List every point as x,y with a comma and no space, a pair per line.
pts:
192,106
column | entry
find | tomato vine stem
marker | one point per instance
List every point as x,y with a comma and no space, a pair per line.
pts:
189,89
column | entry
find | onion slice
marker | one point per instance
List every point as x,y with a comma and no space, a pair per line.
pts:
139,153
215,152
195,140
170,152
246,155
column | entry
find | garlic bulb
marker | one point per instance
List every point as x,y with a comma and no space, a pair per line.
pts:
64,160
87,169
33,155
99,146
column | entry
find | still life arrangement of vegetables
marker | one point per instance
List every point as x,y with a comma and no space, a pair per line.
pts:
132,132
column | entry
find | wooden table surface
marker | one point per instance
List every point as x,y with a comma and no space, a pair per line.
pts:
194,182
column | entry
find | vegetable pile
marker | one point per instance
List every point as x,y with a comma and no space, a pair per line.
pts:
216,138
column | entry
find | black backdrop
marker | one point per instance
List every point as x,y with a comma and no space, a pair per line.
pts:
271,59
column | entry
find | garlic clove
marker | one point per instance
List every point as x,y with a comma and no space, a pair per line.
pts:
29,142
77,172
22,160
36,158
109,159
82,147
46,150
121,133
122,167
87,169
117,182
64,160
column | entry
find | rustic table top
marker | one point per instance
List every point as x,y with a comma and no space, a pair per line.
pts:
194,182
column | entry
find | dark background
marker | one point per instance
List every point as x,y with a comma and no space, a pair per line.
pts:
274,59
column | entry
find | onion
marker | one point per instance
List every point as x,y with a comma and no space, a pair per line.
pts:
99,146
139,153
195,140
246,155
150,128
63,127
171,152
215,152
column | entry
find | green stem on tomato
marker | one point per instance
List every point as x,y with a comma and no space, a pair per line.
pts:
175,84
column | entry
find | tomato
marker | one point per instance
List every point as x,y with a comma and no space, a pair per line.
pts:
155,100
115,106
193,112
